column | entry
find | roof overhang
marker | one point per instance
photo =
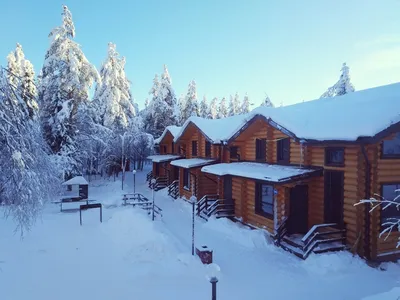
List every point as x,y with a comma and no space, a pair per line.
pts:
270,173
189,163
163,158
77,180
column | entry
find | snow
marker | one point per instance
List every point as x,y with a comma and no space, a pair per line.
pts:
174,130
260,171
77,180
359,114
216,130
128,254
162,158
393,294
192,162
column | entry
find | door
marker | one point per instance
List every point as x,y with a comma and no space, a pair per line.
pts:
157,170
334,194
175,171
298,217
228,188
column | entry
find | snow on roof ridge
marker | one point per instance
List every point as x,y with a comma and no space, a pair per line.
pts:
173,129
216,130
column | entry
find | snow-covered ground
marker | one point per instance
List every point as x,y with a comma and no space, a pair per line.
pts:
130,257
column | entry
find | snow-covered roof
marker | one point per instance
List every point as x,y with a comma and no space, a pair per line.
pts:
259,171
163,157
216,130
77,180
188,163
174,130
363,113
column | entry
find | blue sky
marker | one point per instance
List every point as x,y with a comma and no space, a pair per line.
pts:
291,50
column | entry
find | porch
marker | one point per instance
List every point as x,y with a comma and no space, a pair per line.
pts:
162,171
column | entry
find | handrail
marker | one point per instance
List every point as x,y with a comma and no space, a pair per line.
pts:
314,228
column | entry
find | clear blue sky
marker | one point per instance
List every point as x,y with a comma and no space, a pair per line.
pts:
292,50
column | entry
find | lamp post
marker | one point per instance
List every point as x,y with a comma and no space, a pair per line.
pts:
153,183
134,181
193,200
212,271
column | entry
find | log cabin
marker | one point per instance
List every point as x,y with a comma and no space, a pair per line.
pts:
298,172
162,170
199,142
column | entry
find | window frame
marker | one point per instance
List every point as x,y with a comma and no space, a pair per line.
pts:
194,148
259,203
207,146
328,163
381,210
280,147
390,156
263,157
186,179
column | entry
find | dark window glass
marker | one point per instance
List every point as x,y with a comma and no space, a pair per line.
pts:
234,152
208,149
186,178
390,192
391,148
261,149
334,156
265,200
283,150
194,148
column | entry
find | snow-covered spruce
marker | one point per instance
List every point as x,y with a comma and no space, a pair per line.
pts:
191,106
204,109
222,110
342,87
213,112
66,78
234,105
245,107
267,102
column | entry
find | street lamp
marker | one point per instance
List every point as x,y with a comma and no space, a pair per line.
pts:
212,271
193,200
153,184
134,180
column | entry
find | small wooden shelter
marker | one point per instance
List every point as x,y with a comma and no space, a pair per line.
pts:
80,192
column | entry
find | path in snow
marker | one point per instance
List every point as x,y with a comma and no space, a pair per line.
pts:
130,257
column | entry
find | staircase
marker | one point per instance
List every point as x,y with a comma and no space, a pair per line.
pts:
319,239
161,182
173,189
149,176
211,205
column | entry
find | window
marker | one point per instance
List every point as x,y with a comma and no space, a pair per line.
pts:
157,149
265,200
391,148
194,148
186,179
283,150
261,149
234,152
390,192
208,149
334,157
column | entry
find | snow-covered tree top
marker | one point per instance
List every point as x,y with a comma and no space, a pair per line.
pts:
343,86
67,28
267,102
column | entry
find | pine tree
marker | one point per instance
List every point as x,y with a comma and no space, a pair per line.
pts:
342,87
181,109
66,77
167,95
245,107
113,100
213,111
234,105
21,76
267,102
204,109
222,111
191,106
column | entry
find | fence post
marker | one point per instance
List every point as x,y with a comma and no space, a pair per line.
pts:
193,200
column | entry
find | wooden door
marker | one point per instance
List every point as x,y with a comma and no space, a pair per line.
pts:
157,170
298,217
228,188
334,194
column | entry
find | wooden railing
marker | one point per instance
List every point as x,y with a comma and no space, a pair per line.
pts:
173,189
210,205
281,231
149,176
205,202
161,182
137,199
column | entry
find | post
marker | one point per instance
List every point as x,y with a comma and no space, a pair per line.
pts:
134,181
101,214
80,216
213,281
153,182
193,200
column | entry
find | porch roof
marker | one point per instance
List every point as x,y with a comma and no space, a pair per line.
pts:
261,171
189,163
162,157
